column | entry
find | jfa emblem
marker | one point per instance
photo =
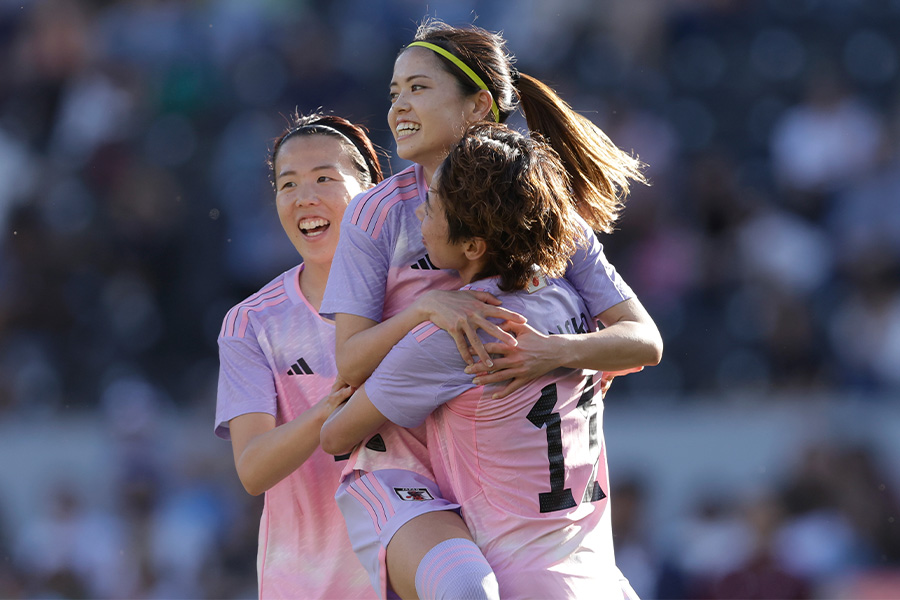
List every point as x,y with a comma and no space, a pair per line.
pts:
413,494
538,281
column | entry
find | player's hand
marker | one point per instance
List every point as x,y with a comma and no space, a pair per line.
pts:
533,355
606,380
608,376
339,384
460,313
340,393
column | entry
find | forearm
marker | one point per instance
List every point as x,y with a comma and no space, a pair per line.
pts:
629,340
361,352
619,347
269,457
350,423
333,437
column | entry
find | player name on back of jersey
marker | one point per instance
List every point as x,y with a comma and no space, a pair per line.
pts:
577,324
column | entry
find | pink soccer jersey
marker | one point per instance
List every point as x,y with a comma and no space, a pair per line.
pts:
528,470
277,357
381,266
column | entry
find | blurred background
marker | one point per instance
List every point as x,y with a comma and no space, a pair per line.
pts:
760,459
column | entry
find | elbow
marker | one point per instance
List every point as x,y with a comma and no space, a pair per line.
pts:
655,356
654,351
250,475
348,374
351,380
332,442
254,491
253,487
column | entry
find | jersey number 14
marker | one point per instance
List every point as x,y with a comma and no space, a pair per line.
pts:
560,497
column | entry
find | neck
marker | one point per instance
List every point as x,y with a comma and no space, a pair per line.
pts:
428,172
470,272
313,278
430,167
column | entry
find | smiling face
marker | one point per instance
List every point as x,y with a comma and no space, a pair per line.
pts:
429,111
314,181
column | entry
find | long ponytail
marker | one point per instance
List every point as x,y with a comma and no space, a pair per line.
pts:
600,173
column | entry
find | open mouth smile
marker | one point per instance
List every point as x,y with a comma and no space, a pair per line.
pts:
313,227
406,128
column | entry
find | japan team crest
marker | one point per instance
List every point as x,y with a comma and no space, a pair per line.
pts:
538,281
413,494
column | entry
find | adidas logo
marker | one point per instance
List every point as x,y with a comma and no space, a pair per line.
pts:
424,264
300,368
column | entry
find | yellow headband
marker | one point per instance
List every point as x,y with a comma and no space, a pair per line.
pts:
465,69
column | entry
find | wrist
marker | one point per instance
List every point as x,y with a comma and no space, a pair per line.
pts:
420,311
328,405
562,350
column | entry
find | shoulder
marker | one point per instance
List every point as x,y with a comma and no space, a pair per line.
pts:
368,210
269,296
426,343
426,354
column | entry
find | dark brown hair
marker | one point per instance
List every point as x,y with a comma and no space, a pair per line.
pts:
599,172
353,138
511,191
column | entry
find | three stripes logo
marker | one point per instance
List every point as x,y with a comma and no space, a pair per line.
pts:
424,264
300,368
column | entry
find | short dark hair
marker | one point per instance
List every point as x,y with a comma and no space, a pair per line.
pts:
513,192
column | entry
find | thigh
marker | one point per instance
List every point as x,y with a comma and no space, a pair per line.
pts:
412,542
376,506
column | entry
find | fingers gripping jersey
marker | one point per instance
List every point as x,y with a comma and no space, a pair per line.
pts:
381,266
277,357
528,470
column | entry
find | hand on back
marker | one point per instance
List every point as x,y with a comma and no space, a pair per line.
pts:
461,313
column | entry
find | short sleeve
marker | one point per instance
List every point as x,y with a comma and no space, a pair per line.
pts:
594,278
418,376
359,272
246,383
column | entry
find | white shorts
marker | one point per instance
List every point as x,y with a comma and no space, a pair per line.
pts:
375,505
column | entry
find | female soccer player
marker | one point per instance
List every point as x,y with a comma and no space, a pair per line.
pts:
277,370
383,283
528,470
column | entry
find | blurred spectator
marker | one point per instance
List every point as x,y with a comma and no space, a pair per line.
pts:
714,541
828,140
761,575
650,572
132,215
816,539
71,550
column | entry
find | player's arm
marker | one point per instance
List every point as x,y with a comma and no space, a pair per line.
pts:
419,374
629,341
264,453
361,343
351,423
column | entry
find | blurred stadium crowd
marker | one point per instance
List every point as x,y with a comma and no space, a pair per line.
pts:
135,210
